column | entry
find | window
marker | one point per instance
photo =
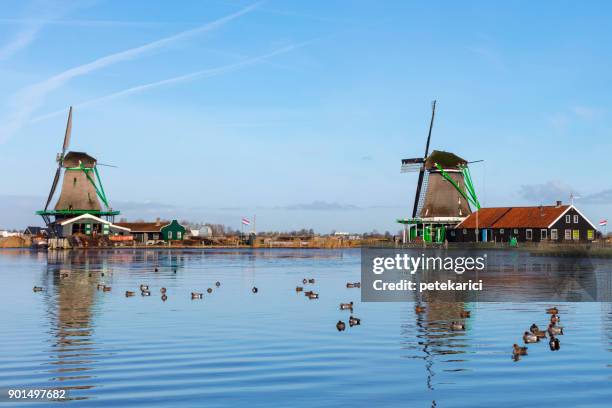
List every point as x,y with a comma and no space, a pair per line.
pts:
529,234
169,234
178,234
575,219
452,233
553,234
568,219
568,234
464,231
575,235
543,234
590,235
501,231
516,231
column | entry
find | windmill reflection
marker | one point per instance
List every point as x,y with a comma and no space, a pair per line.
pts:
72,279
436,342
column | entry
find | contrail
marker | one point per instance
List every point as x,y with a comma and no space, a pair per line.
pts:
206,73
29,99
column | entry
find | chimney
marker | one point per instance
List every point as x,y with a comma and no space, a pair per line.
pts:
559,203
157,222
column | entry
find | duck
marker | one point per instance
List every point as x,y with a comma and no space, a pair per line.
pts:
457,326
217,283
313,296
465,314
354,321
534,328
163,291
299,289
145,293
530,338
555,319
101,273
196,295
129,293
209,290
64,275
419,309
340,325
164,297
552,310
350,285
107,289
357,284
144,287
304,281
346,306
37,289
519,351
540,334
311,281
156,269
553,329
100,286
554,343
174,270
255,290
308,293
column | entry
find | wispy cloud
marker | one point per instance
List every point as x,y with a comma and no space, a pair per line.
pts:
587,112
28,100
206,73
546,193
319,206
30,28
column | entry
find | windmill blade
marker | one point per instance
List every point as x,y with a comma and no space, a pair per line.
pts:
412,165
433,114
68,133
475,161
422,170
418,192
106,165
53,186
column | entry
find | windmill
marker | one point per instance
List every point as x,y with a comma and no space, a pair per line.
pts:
444,190
82,188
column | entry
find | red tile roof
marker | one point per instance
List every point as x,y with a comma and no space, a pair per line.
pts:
486,217
514,217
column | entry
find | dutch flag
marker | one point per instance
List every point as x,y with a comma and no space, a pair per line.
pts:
603,223
245,221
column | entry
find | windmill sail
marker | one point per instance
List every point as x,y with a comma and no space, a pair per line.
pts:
53,187
417,195
68,133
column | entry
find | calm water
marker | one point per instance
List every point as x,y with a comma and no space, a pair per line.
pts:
276,347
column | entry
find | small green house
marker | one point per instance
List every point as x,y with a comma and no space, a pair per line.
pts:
173,231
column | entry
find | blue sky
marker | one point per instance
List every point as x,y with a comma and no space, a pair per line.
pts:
300,112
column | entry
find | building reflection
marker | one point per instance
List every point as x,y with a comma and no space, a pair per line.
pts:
72,298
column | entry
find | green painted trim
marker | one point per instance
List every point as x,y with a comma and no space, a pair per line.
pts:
470,185
450,180
93,183
101,186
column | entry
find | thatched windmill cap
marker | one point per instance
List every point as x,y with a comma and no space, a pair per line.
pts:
72,159
445,159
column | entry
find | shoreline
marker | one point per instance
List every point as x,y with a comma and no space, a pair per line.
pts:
600,250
